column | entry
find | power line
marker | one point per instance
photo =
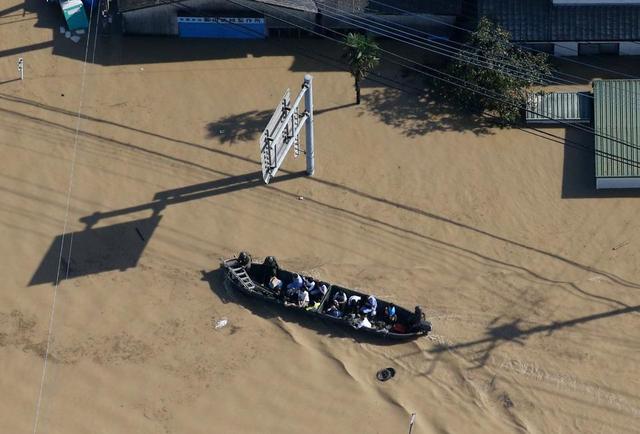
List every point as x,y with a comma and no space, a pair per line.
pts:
359,21
602,153
390,82
66,217
566,59
394,26
440,74
446,51
439,77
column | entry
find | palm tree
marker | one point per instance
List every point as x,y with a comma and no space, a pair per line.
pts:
362,53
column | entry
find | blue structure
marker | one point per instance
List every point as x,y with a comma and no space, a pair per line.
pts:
223,28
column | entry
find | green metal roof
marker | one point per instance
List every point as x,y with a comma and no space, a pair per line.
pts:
617,128
564,106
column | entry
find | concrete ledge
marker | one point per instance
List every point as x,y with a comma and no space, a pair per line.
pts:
617,183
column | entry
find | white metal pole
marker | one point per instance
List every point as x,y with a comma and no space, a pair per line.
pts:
308,102
21,68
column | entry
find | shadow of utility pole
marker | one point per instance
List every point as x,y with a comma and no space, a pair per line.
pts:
120,246
512,332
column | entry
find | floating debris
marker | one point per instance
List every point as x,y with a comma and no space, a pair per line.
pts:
385,374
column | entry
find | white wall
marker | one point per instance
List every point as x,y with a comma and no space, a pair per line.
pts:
617,183
630,48
565,49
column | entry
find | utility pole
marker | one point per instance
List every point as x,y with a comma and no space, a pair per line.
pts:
283,131
308,107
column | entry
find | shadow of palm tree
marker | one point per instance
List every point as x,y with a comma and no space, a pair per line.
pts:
242,127
419,113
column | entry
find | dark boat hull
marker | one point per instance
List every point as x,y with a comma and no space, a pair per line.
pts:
258,289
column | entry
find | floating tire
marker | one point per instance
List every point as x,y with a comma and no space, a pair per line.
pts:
386,374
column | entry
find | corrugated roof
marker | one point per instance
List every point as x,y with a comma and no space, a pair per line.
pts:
449,7
299,5
564,106
541,21
617,118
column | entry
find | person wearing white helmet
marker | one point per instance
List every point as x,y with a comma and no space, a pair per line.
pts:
370,307
353,303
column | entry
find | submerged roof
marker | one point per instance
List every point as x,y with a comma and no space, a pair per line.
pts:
563,106
542,21
617,128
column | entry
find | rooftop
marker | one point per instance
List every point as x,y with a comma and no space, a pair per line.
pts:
574,107
542,21
617,128
301,5
393,7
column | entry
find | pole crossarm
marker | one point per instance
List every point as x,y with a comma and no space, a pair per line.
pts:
283,131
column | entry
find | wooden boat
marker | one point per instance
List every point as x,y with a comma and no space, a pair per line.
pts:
253,279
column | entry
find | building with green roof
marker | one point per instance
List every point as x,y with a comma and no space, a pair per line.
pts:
616,124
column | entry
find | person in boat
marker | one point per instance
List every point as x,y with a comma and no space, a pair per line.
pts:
296,282
244,259
275,284
353,304
308,283
291,291
301,298
390,316
318,292
271,271
416,319
337,305
370,306
334,311
340,300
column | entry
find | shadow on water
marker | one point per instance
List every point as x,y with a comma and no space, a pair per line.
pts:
578,170
499,333
95,250
378,199
417,114
241,127
247,126
120,246
274,312
7,12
